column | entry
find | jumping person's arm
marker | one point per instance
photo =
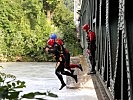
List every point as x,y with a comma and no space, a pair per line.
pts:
58,63
53,49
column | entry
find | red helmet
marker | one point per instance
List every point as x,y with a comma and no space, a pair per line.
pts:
86,27
59,41
51,42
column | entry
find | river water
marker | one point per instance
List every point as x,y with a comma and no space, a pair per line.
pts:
40,77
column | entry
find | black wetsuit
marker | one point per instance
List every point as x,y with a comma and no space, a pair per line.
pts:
60,58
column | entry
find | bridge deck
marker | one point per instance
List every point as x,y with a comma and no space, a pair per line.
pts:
93,82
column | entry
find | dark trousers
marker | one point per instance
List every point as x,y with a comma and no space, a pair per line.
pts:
67,59
92,59
60,71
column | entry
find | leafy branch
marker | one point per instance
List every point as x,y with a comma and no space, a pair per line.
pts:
10,88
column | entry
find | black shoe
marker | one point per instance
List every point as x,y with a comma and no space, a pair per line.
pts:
63,85
80,67
75,77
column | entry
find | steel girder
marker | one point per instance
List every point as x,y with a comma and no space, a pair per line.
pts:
112,22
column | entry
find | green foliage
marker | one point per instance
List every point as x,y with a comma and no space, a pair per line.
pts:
63,18
10,89
8,86
32,95
69,4
24,29
50,4
51,94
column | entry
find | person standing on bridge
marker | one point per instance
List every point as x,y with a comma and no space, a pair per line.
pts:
60,59
91,39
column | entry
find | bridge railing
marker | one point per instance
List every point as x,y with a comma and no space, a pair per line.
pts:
112,22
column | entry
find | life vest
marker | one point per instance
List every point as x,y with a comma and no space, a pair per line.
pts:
91,36
64,52
60,43
91,40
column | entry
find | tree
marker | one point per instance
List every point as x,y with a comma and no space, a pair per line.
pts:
49,7
63,19
24,29
69,4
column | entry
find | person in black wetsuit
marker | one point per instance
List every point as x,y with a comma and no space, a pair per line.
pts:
60,60
69,66
67,56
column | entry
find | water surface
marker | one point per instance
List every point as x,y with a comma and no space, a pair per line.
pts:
40,77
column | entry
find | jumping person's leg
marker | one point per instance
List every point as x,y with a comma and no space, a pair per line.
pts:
58,73
76,66
67,63
70,74
69,66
